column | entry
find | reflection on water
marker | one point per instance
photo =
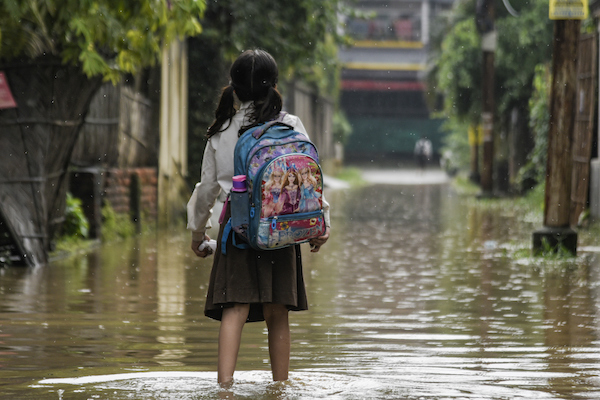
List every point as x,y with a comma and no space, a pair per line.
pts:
413,297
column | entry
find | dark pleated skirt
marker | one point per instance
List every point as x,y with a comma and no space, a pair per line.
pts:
254,277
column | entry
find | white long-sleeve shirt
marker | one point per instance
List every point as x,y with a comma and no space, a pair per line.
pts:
217,171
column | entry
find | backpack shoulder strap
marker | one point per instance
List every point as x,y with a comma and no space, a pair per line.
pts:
229,230
261,129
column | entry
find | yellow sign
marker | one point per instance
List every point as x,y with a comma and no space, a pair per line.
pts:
568,9
475,135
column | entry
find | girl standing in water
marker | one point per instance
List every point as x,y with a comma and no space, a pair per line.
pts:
246,285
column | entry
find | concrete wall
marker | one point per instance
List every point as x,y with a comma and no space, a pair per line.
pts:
172,158
316,113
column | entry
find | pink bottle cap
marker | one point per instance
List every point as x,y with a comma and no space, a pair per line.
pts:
239,183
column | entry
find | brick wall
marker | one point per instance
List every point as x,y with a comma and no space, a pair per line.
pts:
118,190
132,191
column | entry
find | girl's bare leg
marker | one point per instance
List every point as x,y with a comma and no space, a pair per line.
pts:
230,336
276,317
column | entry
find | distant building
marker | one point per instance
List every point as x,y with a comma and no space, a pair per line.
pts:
383,94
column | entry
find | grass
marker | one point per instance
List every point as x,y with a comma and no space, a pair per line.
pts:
66,246
530,208
115,226
464,186
352,175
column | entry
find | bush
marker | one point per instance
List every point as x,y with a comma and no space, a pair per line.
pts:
76,224
456,151
341,127
539,121
116,226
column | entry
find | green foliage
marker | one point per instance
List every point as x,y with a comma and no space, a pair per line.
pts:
76,224
459,72
553,253
548,259
455,76
589,24
524,42
75,229
535,198
104,37
528,207
463,186
342,129
589,232
456,152
301,35
325,73
351,175
539,122
67,245
456,65
116,226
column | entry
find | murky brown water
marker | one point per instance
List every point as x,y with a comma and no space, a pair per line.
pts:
414,297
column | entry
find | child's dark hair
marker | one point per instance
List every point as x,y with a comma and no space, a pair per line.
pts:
253,78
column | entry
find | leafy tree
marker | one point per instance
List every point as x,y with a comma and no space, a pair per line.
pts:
55,54
539,122
523,43
102,37
301,35
459,72
76,224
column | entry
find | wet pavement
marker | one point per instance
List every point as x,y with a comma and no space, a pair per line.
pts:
419,294
395,176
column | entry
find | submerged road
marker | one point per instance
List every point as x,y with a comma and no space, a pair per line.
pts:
405,176
419,293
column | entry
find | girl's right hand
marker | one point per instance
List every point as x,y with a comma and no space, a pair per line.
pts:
205,252
316,243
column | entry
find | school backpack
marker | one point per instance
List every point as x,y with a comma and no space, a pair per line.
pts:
282,202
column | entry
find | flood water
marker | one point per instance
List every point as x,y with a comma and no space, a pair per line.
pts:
413,297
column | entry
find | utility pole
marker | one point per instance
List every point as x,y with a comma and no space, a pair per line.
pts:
485,25
557,201
475,139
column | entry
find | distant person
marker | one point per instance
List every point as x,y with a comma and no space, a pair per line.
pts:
423,151
247,285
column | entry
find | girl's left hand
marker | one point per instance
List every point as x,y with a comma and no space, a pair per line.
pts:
316,243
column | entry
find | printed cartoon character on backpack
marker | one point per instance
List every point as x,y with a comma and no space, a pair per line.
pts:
277,218
272,191
289,200
309,197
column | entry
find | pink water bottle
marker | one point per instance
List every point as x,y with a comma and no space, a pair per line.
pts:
240,205
239,183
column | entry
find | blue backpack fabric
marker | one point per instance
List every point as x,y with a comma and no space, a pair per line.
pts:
283,203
